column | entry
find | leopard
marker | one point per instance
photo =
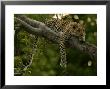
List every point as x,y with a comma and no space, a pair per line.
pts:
66,27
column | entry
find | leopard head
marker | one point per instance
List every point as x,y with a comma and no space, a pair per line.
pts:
77,29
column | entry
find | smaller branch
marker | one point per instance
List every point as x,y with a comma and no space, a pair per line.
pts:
32,22
35,30
31,55
84,47
25,68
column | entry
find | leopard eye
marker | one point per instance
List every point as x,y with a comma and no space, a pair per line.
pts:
81,35
74,27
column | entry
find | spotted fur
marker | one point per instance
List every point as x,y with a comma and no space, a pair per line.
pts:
67,28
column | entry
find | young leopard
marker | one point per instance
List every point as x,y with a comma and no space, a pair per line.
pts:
67,28
71,29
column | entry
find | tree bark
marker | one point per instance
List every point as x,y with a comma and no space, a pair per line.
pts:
40,29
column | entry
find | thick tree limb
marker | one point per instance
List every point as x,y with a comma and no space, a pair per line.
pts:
43,30
39,28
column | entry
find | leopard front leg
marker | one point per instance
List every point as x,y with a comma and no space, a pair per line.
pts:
63,61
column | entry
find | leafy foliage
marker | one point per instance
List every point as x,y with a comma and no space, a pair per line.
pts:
46,56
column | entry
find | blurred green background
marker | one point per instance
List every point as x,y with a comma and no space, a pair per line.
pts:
46,57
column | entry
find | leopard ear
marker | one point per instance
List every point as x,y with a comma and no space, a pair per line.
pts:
66,16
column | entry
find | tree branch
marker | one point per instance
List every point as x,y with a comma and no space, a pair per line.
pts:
39,28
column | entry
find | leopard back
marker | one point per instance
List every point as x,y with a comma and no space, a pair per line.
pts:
68,26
